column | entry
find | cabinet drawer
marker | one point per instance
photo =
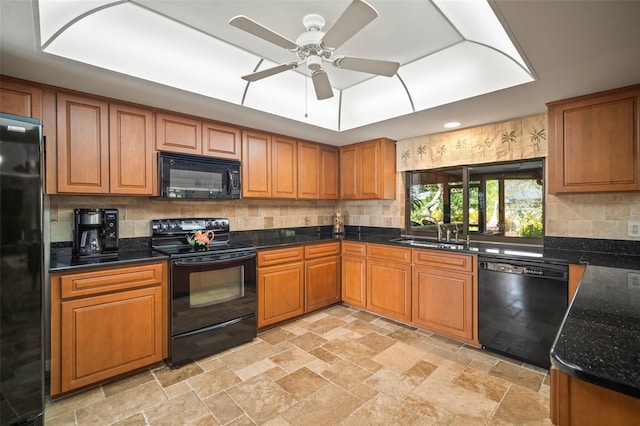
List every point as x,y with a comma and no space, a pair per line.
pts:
108,280
320,250
356,249
439,259
394,254
274,257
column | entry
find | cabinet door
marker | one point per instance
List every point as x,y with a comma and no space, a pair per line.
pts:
104,336
322,282
308,170
443,302
131,150
594,143
389,289
349,173
370,172
256,165
329,177
175,133
280,293
221,141
20,99
353,272
82,145
284,168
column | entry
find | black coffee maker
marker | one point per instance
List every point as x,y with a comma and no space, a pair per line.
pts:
95,232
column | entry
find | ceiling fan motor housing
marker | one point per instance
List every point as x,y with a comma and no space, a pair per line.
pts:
314,62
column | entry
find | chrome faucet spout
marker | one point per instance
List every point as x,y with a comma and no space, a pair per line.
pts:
440,224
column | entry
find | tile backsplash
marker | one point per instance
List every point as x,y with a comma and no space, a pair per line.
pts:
135,213
605,215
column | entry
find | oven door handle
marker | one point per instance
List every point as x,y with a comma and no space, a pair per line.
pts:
184,262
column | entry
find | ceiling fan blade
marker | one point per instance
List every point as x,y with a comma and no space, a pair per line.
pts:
252,27
269,72
321,84
355,17
372,66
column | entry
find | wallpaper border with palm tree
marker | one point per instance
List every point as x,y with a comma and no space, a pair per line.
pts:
515,139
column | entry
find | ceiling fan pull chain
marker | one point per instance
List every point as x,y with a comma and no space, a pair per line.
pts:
306,93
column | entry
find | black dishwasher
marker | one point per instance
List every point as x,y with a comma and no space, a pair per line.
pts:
521,305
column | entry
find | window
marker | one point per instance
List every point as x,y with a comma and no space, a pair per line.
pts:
498,201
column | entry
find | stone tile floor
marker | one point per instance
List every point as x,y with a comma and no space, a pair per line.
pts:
337,366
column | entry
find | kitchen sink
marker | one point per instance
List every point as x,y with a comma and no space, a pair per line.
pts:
415,242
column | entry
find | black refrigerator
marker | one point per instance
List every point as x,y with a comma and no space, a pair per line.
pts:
21,272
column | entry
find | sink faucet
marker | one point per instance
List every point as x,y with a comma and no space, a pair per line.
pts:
440,225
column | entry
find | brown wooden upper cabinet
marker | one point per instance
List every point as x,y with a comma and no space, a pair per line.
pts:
594,142
20,99
269,166
368,170
188,135
103,148
317,171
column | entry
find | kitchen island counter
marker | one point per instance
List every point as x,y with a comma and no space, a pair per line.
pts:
599,340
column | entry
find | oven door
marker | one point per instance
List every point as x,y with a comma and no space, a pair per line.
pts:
212,289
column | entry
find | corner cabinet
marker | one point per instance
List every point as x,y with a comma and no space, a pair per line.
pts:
353,272
103,148
368,170
322,275
106,322
594,142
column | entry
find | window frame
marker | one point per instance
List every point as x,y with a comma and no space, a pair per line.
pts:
476,236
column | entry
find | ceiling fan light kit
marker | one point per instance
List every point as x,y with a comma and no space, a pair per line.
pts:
314,46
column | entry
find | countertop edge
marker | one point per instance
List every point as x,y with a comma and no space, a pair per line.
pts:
578,373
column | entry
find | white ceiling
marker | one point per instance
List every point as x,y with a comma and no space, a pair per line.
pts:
573,47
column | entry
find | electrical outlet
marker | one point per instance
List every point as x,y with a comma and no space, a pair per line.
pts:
633,229
633,280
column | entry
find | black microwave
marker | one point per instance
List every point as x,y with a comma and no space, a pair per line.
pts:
198,178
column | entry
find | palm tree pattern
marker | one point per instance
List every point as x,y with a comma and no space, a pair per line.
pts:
537,136
482,146
422,150
405,157
509,138
476,145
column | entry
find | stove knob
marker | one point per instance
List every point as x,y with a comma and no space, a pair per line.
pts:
208,224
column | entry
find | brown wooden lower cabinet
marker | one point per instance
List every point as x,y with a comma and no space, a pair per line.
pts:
576,402
105,323
322,275
280,285
354,280
443,301
289,285
389,289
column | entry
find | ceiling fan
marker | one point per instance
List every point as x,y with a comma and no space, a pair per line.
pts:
314,46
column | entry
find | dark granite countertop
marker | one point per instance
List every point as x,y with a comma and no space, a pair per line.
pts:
559,251
599,340
132,251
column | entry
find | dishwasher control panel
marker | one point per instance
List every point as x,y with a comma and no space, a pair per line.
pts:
534,270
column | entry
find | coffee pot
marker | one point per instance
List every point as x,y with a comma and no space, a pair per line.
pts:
90,243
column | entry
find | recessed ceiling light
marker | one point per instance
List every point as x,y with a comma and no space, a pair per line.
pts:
451,124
